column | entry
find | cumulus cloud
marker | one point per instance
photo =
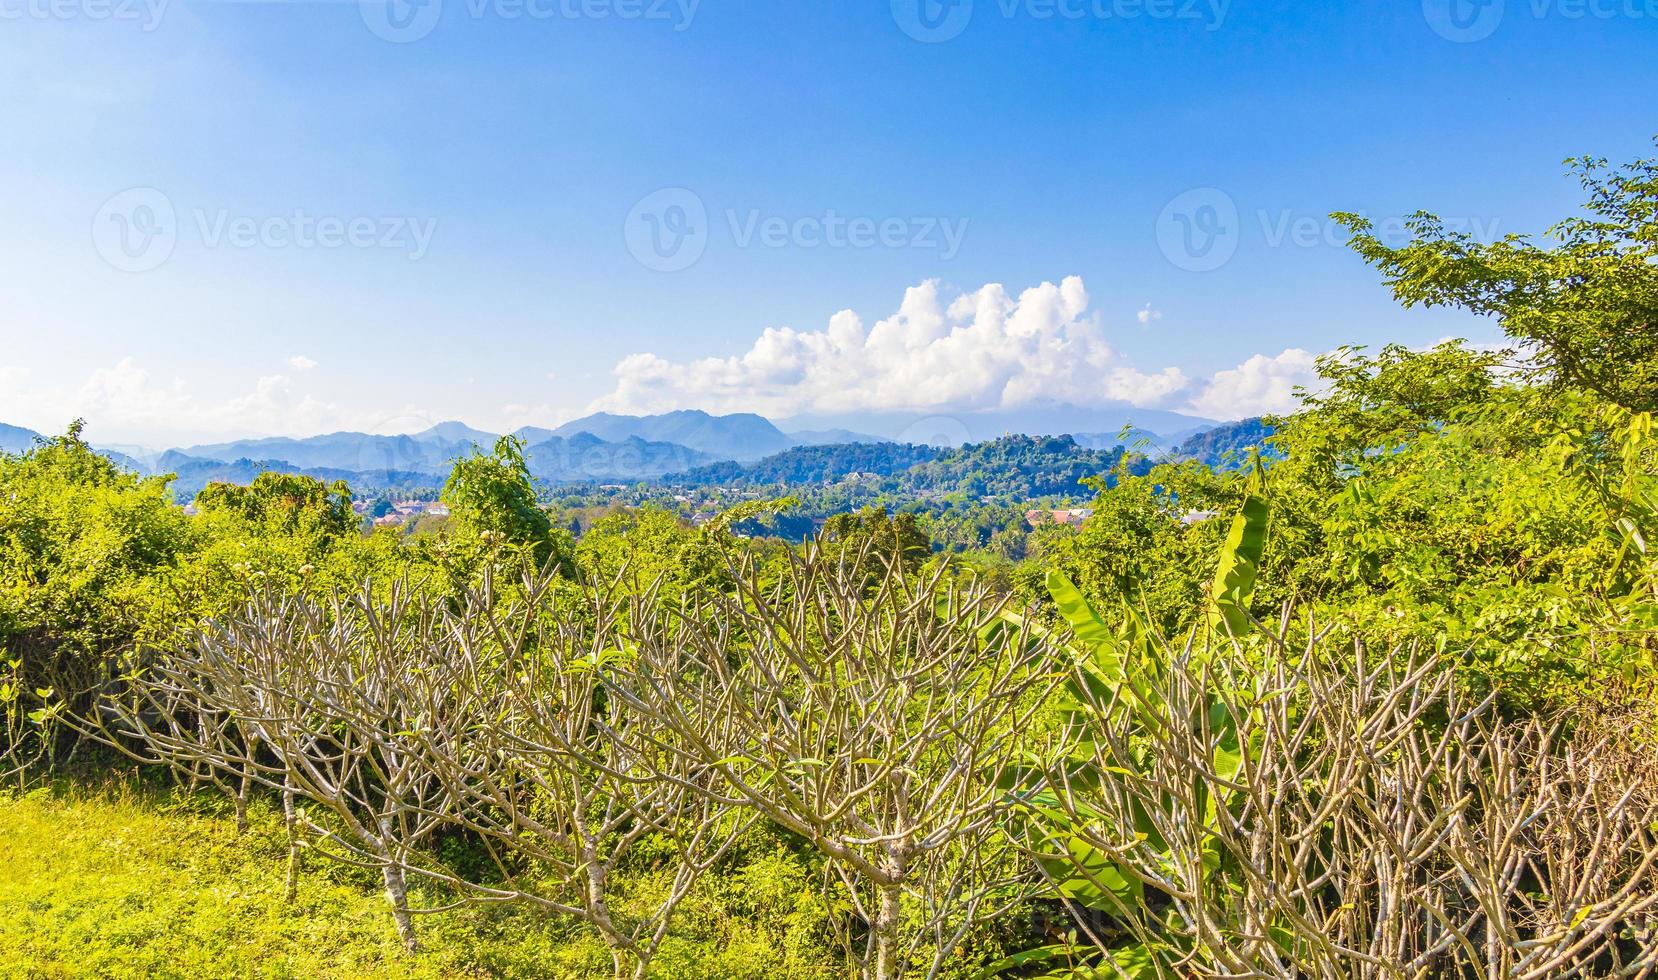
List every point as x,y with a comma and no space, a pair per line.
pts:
980,350
1148,315
1259,386
299,362
125,400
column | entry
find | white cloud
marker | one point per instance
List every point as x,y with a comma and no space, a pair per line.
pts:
1259,386
299,362
983,349
1148,315
517,415
125,401
274,406
127,392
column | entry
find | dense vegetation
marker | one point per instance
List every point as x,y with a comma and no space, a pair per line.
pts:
1376,701
811,464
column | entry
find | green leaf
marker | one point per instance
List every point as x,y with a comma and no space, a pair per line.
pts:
1240,559
1099,641
1041,954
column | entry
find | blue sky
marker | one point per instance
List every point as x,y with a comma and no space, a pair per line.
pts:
496,159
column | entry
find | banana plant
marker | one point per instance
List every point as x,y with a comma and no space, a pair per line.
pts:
1116,683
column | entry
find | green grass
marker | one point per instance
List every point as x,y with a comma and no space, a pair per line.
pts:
152,883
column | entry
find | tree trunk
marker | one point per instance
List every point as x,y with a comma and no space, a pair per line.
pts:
397,891
242,801
598,911
886,932
290,820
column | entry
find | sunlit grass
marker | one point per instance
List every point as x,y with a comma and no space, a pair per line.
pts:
123,880
113,883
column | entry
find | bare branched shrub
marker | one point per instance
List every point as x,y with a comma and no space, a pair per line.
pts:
401,716
1277,812
873,720
563,780
314,701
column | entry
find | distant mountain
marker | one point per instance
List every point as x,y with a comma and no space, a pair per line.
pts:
579,459
455,432
432,451
809,464
1227,445
532,434
585,458
16,439
740,436
123,461
194,472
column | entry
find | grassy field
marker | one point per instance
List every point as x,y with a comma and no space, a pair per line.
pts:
155,884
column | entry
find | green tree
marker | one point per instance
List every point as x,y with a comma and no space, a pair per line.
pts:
86,553
1584,310
878,539
493,494
289,504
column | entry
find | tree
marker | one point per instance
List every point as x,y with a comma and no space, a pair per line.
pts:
877,540
494,494
1585,310
883,728
287,504
86,549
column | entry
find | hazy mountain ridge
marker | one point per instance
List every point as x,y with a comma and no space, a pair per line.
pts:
586,458
683,445
739,436
16,439
1036,419
432,450
833,437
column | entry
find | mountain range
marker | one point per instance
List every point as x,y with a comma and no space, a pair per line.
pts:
16,439
608,448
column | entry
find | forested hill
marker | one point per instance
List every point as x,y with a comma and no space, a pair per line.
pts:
1010,468
1213,446
810,464
1014,467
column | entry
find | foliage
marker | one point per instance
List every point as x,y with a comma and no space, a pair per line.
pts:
128,880
85,549
810,464
1584,311
494,495
876,541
